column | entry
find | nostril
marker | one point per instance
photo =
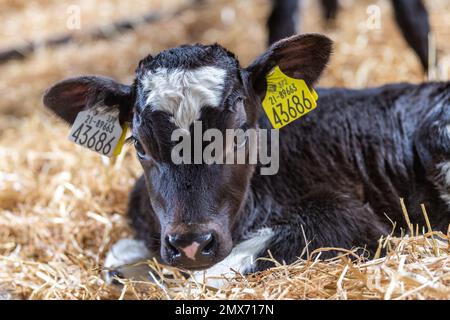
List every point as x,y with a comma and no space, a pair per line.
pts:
208,244
191,246
171,245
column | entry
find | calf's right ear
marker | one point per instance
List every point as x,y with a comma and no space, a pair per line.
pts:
71,96
302,57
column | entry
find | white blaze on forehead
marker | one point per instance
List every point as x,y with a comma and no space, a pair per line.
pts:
183,92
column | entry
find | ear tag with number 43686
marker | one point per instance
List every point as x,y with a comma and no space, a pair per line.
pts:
99,130
287,99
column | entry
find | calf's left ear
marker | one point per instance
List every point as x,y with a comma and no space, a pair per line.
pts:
301,57
71,96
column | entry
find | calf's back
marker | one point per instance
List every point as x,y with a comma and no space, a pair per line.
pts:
369,143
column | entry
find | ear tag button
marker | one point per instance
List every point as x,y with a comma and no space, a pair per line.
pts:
99,130
287,99
121,141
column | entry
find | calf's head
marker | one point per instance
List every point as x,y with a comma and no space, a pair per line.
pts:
198,206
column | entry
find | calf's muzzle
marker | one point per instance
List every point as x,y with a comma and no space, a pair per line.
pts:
192,250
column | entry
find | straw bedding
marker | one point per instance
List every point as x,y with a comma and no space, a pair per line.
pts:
62,207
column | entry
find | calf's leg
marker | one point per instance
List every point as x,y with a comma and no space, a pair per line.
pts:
412,18
126,260
323,219
127,257
329,9
283,20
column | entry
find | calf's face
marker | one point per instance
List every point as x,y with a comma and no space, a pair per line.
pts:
198,205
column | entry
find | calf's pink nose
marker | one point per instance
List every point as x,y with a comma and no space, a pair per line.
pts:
191,250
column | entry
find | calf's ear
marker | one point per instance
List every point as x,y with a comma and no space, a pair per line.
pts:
301,57
71,96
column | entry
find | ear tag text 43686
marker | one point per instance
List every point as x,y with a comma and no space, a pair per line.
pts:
287,99
100,131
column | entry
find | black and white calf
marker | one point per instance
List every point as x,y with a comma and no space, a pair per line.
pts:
343,167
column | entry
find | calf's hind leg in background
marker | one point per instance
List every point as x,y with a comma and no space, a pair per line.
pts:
412,18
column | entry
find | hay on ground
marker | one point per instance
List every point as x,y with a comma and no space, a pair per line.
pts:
61,207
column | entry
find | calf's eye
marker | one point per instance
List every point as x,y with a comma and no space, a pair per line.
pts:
139,149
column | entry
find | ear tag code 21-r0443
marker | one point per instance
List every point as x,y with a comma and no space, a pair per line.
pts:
100,131
287,99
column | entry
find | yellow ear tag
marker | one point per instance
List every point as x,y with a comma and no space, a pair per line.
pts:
121,141
287,99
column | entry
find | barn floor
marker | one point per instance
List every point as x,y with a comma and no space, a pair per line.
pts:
62,207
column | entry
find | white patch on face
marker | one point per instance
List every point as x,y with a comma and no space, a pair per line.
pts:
182,93
241,259
124,253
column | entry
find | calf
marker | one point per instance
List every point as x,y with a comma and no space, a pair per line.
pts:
410,15
343,166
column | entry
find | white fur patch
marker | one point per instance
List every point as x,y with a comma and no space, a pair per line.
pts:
444,173
183,93
124,253
241,259
5,294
